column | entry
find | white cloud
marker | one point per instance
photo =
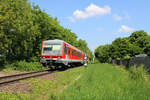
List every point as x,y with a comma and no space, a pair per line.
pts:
117,17
91,10
125,29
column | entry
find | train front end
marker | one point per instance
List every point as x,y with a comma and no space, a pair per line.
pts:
51,52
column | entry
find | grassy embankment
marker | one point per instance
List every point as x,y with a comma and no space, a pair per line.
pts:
108,82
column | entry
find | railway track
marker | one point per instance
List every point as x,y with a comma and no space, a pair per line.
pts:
17,77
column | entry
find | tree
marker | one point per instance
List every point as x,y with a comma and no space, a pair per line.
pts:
69,37
17,29
140,38
103,53
125,48
147,49
120,48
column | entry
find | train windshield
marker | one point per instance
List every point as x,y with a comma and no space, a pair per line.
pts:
52,49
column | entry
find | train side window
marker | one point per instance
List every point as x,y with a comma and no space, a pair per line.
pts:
66,49
72,52
69,51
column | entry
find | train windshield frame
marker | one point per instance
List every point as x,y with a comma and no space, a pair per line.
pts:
51,49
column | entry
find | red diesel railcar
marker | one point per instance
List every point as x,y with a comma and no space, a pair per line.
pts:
59,52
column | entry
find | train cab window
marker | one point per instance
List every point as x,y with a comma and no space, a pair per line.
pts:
51,49
47,49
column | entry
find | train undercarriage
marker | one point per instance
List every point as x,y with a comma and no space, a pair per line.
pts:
61,63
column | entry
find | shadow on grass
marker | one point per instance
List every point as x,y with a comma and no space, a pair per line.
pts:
64,68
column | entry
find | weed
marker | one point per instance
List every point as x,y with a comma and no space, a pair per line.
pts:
138,73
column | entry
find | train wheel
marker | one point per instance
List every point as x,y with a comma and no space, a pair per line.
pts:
52,67
44,64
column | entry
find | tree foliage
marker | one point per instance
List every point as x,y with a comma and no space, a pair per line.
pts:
24,26
125,48
103,53
17,29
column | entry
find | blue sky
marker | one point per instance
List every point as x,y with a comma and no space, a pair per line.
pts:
99,22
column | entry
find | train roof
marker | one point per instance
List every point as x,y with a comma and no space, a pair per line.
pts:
54,41
60,42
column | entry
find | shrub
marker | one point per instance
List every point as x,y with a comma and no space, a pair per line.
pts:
27,66
34,59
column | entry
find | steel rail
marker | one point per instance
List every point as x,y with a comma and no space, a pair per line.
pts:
26,73
22,76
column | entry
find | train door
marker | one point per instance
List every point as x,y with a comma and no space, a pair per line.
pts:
66,51
69,56
66,54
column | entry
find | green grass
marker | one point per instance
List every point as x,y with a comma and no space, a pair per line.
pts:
97,82
44,89
108,82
